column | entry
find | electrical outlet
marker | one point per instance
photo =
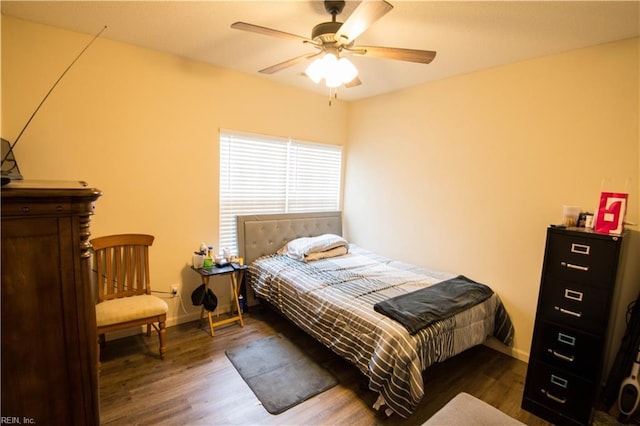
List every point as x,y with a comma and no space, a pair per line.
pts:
174,290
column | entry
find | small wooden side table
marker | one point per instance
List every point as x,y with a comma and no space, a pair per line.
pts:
235,272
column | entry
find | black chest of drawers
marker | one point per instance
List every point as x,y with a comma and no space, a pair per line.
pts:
569,336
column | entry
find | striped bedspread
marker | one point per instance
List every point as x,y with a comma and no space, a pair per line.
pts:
332,300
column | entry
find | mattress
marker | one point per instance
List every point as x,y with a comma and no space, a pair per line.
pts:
332,300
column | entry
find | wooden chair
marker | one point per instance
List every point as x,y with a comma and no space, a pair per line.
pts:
124,290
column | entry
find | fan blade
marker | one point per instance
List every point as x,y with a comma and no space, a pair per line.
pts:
353,83
268,31
367,12
282,65
400,54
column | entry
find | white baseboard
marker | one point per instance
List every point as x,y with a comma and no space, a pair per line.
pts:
192,316
493,343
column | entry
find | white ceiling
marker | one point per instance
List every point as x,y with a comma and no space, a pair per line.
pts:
468,36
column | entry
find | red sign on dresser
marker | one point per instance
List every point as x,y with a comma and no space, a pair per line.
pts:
611,211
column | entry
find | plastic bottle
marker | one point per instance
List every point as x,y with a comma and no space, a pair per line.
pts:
241,303
208,257
203,248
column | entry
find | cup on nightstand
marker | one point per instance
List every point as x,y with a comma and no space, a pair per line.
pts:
198,260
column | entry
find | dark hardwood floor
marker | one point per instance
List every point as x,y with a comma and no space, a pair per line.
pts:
197,385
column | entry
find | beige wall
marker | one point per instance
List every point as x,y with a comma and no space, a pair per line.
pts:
142,126
462,174
465,174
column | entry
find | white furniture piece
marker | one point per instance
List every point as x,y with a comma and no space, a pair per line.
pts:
465,409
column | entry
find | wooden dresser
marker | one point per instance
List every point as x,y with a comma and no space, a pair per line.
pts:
569,336
49,364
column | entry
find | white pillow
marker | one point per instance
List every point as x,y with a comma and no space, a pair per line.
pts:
312,248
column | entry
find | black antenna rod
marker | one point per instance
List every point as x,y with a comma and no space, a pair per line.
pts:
49,92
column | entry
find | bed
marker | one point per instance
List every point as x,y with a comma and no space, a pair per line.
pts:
338,300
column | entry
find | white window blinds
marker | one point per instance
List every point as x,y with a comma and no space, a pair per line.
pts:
262,174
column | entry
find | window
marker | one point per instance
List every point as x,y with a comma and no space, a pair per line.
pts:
263,174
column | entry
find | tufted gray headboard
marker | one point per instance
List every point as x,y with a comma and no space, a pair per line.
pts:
263,234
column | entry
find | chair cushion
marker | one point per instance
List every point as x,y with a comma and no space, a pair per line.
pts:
125,309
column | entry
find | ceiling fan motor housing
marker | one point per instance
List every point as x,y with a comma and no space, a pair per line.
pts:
324,32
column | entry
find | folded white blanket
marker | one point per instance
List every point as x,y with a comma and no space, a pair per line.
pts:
313,248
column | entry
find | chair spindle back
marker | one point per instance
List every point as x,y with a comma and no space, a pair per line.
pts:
122,265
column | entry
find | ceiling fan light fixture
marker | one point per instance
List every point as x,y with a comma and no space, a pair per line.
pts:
331,71
321,67
315,71
335,72
347,70
329,62
333,81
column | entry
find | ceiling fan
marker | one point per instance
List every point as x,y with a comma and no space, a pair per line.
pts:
334,40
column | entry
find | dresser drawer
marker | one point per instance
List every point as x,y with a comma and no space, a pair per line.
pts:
35,209
560,391
576,305
587,260
568,349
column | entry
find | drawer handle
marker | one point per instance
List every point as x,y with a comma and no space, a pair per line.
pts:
561,356
573,295
580,249
554,398
568,312
572,266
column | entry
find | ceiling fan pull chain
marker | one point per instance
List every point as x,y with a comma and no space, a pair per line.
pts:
333,94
